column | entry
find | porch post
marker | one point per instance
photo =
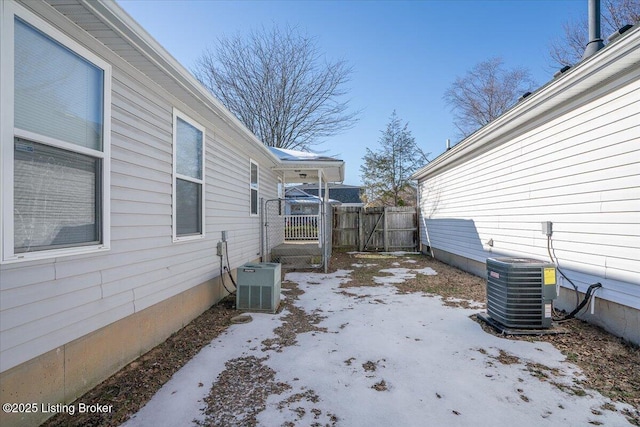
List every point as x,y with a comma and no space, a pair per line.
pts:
320,210
328,224
263,227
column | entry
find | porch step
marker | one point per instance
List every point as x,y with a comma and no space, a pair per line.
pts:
296,255
300,261
288,249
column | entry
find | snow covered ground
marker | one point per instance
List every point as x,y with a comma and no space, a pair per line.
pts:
388,359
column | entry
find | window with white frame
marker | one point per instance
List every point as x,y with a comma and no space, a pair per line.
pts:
254,186
188,178
55,142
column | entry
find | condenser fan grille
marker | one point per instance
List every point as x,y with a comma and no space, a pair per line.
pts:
519,292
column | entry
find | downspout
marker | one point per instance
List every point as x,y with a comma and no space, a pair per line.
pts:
595,39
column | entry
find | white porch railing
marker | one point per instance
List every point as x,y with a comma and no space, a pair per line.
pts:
301,227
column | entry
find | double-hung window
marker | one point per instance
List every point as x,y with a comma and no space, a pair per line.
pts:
54,141
188,178
253,187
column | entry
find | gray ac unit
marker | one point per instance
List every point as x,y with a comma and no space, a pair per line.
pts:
520,292
258,287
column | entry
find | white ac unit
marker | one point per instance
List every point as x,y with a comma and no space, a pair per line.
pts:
259,287
520,292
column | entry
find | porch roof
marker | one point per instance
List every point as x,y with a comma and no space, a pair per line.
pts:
301,166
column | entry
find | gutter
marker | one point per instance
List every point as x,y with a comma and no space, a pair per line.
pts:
122,23
622,55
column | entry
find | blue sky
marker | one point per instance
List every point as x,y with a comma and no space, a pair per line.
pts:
404,54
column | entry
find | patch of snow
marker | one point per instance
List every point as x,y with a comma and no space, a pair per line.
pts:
400,253
427,271
399,275
388,359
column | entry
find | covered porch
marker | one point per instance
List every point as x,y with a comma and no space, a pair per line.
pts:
301,241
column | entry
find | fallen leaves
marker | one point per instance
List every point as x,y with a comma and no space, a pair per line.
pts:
609,364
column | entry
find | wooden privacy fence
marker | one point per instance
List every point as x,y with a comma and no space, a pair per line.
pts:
375,229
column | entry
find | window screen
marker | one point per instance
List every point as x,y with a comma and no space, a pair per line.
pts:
188,208
54,197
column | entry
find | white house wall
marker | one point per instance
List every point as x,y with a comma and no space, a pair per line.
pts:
579,170
48,303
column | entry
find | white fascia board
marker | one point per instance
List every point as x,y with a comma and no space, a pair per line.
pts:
621,55
121,22
288,164
337,165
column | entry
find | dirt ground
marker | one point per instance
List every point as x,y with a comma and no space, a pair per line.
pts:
610,365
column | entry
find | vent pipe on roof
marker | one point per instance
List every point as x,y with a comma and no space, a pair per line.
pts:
595,40
448,144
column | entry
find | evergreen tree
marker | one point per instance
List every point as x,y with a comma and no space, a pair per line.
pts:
386,171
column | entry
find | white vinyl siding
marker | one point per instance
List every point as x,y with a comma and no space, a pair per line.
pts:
579,171
55,142
50,302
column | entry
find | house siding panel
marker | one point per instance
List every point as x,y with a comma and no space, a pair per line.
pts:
49,303
578,170
32,339
27,294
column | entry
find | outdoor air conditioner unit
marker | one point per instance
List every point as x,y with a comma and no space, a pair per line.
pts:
520,292
258,287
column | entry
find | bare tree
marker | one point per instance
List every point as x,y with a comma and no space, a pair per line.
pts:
278,84
568,49
386,172
485,93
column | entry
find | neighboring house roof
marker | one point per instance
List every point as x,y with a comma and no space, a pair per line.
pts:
343,193
586,76
303,166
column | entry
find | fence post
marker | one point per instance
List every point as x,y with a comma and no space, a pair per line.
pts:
385,229
361,228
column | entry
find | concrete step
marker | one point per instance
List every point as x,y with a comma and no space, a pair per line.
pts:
299,261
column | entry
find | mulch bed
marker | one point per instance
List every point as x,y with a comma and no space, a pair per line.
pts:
134,385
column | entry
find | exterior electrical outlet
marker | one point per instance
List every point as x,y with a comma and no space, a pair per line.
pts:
520,292
221,249
547,228
259,287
